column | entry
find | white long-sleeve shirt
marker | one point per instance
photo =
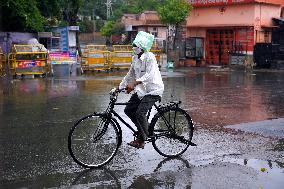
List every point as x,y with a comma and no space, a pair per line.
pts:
146,70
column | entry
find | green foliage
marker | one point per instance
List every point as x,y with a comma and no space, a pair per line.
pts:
99,24
118,28
50,9
21,15
176,15
147,5
106,30
111,28
63,23
134,7
50,22
35,15
99,9
70,9
86,26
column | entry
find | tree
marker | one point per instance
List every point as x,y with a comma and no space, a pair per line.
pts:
21,15
86,25
106,30
70,9
49,8
174,17
133,6
110,28
70,15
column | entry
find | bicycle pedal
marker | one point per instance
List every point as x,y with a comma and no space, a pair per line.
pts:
192,144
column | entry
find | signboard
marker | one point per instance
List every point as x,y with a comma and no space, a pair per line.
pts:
63,57
200,3
72,39
30,63
67,37
73,28
64,45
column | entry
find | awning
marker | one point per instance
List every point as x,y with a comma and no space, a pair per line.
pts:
279,21
268,27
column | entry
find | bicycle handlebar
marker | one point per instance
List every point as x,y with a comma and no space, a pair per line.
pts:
120,90
114,93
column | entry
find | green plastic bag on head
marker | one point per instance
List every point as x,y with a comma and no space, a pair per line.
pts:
144,40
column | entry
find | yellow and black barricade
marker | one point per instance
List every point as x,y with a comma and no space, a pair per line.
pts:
121,57
96,47
157,52
28,60
95,57
2,63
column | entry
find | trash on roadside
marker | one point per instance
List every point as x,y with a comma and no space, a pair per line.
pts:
263,169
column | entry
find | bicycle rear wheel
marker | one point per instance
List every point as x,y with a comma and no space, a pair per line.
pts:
93,141
173,130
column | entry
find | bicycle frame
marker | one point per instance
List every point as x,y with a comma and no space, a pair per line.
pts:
112,113
162,127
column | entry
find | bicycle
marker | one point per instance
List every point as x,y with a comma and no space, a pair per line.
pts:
94,139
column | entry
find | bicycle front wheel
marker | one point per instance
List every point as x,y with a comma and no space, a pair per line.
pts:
173,131
93,141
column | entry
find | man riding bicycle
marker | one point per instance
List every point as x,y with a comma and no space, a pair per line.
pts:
144,78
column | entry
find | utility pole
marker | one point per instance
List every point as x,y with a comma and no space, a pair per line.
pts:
109,8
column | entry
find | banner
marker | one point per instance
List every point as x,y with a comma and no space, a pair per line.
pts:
63,57
30,63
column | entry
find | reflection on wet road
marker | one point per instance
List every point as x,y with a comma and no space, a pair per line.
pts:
36,114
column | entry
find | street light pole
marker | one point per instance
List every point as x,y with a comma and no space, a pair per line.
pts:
109,8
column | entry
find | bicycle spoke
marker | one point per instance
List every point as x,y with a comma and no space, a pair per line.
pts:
93,141
173,132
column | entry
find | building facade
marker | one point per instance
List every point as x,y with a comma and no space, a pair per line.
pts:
148,21
228,27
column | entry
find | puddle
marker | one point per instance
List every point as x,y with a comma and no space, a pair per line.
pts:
102,178
36,115
270,174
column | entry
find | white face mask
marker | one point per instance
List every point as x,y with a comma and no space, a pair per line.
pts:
136,50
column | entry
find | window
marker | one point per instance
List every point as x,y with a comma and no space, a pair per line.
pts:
155,34
194,47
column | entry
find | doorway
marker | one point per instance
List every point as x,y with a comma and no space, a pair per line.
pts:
219,44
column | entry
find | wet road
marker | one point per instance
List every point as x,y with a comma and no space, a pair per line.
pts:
36,114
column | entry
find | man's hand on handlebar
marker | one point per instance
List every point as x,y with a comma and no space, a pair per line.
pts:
130,87
113,91
116,90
